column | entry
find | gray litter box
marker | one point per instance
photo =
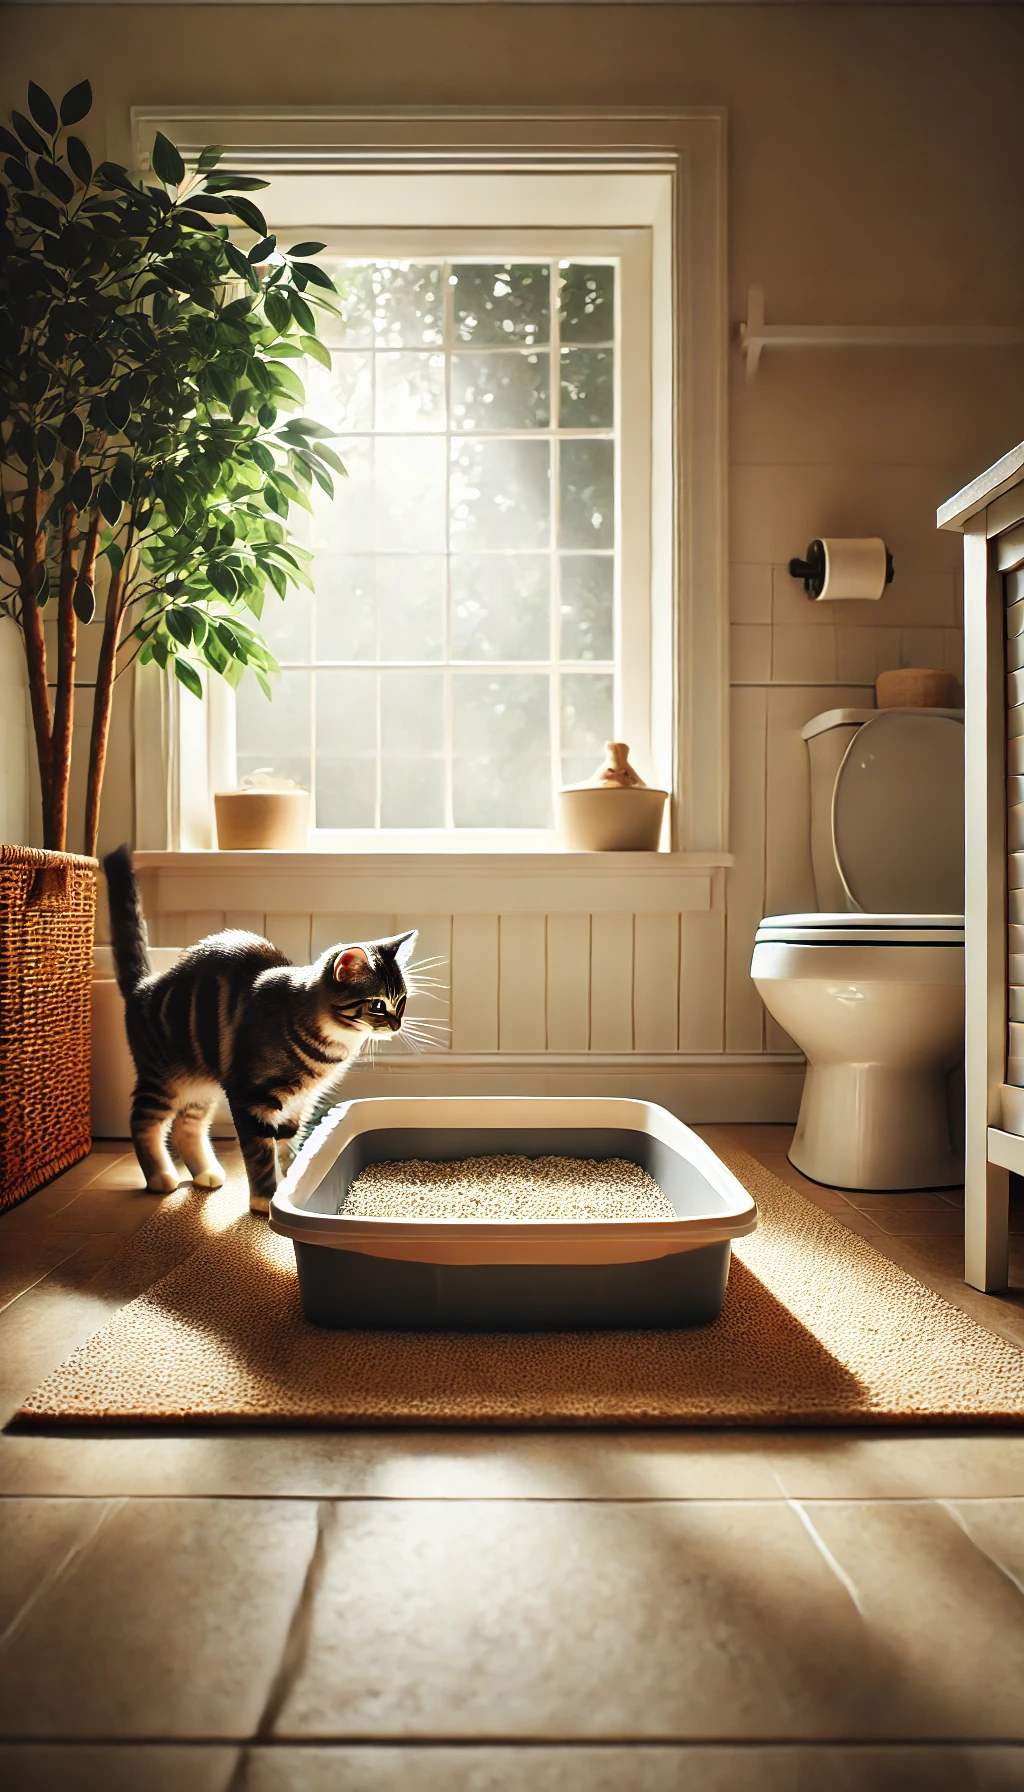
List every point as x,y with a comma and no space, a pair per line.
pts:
522,1275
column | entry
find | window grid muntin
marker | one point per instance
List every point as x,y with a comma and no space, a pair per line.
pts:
555,666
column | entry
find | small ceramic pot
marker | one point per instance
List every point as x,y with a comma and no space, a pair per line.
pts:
603,818
262,820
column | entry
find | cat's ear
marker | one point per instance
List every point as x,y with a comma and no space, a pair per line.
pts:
399,947
351,965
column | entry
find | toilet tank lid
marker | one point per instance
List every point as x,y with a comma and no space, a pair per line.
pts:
855,718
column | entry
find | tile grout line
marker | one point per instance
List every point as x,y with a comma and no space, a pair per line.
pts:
57,1572
293,1655
949,1507
821,1546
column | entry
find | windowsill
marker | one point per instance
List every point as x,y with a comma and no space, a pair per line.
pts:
456,858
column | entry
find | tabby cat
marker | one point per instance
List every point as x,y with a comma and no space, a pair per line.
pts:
236,1015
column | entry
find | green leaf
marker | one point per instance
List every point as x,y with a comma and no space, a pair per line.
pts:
60,184
40,212
77,102
167,163
78,490
18,174
287,381
42,109
306,248
305,426
9,143
333,460
302,314
278,311
179,624
79,159
316,349
188,676
193,220
262,250
83,601
28,134
118,407
115,555
316,275
249,214
110,504
209,158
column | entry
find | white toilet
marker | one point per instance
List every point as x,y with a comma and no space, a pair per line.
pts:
871,988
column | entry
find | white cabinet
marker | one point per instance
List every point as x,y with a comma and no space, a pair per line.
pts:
990,515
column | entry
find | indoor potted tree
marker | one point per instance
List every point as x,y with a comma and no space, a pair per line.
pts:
151,451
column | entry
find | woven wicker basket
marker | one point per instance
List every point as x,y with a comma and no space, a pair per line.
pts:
47,923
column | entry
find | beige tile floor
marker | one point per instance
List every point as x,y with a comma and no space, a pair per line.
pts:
211,1611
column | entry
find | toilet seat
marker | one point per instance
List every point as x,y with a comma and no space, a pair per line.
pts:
861,930
897,838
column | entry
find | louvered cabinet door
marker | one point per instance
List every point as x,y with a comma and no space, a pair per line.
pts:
1006,548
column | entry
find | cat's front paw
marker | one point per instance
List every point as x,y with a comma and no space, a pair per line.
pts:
259,1203
162,1182
211,1178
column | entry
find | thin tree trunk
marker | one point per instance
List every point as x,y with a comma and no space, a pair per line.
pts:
67,650
32,628
103,702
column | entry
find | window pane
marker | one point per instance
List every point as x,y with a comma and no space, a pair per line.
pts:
408,304
409,493
586,296
587,495
287,624
410,391
274,736
493,391
500,607
346,522
502,302
346,607
502,769
340,399
587,605
346,749
587,399
354,328
587,715
410,606
412,749
500,494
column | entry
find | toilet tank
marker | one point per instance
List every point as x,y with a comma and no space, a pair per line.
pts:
828,737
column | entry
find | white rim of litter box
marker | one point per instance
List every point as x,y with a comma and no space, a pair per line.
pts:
507,1241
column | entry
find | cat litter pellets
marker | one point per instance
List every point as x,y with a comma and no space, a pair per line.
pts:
507,1188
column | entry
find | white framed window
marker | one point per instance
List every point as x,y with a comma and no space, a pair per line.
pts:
405,183
481,619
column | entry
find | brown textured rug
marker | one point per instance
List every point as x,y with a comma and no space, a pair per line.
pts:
817,1329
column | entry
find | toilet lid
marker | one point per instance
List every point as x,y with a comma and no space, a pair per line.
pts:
861,930
898,814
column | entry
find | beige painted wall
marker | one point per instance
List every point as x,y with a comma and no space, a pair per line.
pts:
874,176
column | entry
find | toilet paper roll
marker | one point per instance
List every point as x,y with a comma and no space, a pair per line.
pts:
855,569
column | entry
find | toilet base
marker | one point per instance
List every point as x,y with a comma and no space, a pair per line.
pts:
868,1126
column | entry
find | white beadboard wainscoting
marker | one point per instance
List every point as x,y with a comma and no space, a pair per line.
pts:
558,974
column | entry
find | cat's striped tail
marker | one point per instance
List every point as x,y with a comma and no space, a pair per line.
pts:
127,922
